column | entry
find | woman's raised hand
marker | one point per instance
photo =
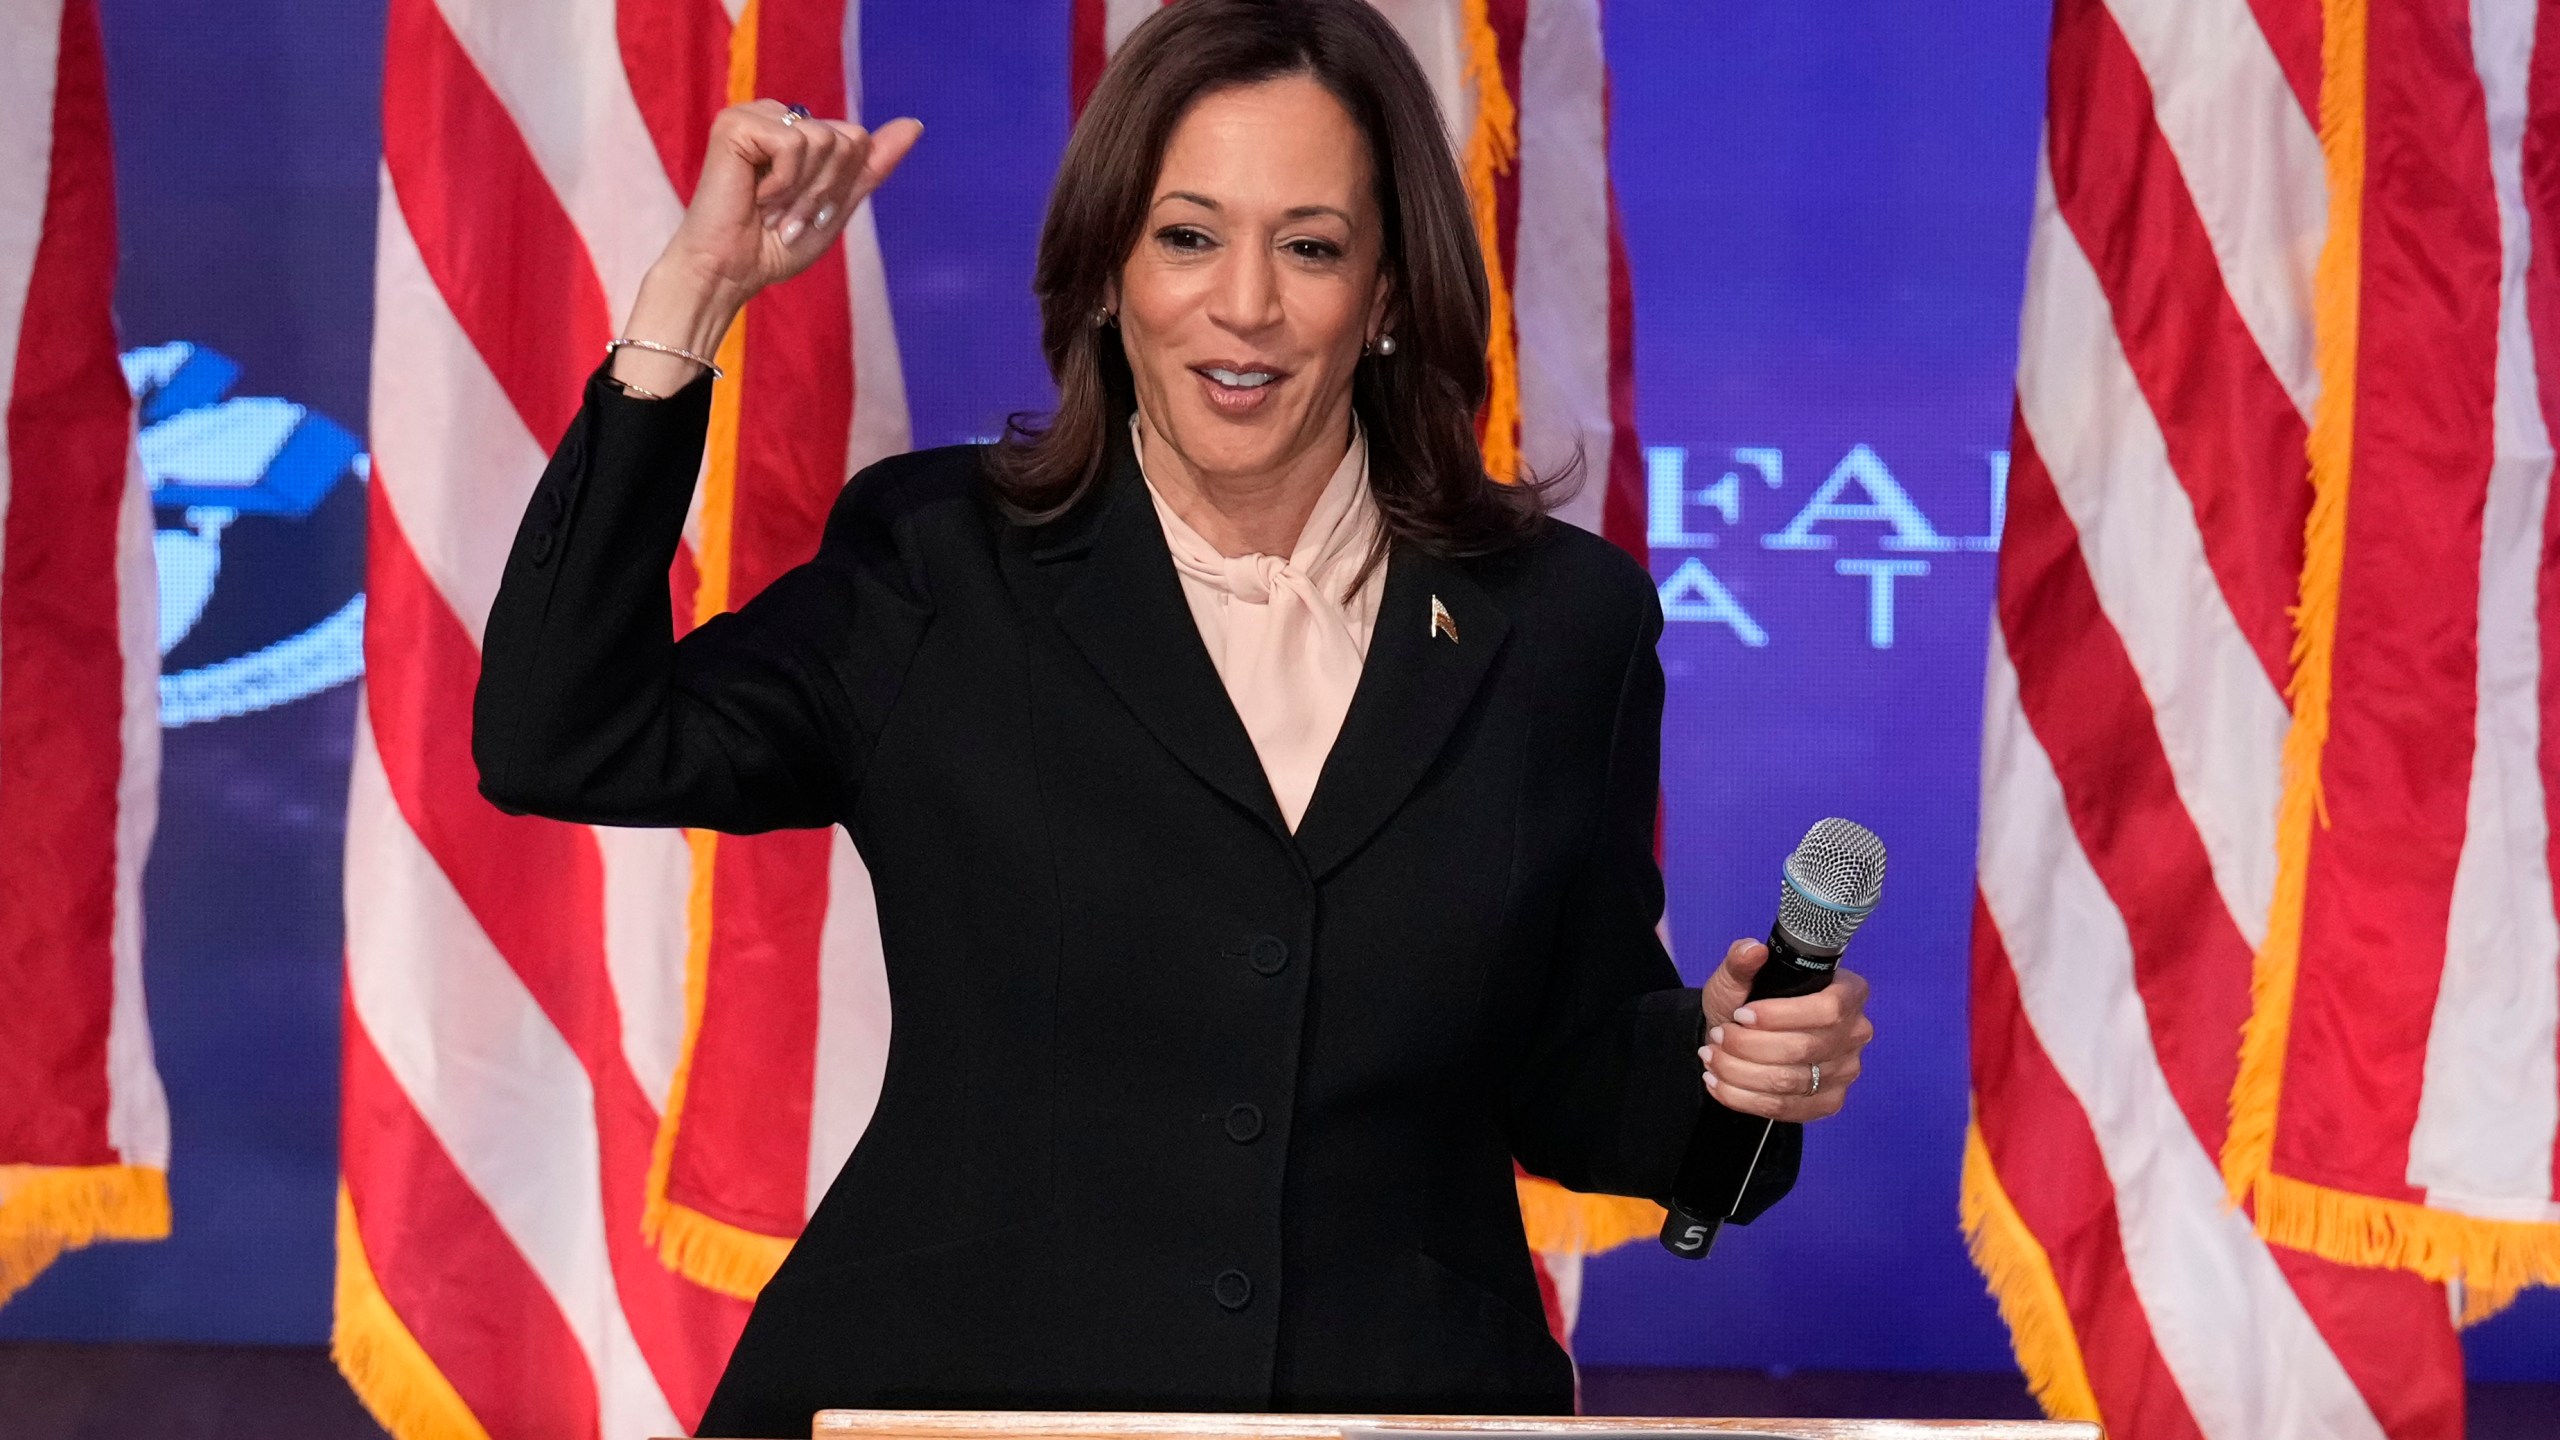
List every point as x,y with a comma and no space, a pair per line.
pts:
775,192
776,189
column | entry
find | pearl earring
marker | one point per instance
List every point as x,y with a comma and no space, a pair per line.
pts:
1386,344
1101,317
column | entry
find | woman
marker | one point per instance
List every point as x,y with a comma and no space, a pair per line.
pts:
1258,798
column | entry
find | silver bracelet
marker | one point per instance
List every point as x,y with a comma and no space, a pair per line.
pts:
614,345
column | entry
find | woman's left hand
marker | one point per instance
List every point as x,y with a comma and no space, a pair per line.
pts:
1762,1055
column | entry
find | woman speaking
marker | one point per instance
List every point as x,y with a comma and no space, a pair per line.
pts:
1259,799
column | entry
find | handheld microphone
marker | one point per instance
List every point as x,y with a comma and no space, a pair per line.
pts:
1829,887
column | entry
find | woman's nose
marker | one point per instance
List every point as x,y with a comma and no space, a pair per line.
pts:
1247,297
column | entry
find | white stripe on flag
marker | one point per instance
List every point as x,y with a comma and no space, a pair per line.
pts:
137,1106
1432,30
1119,17
2491,1101
1561,291
557,68
2244,1351
502,1091
2220,721
647,876
853,1018
452,456
2251,161
880,423
30,55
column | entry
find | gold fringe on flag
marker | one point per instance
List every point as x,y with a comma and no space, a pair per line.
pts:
1568,1222
711,1253
1493,145
384,1363
2020,1276
47,1209
2337,284
2492,1259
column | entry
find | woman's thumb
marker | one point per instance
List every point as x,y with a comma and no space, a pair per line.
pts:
1730,987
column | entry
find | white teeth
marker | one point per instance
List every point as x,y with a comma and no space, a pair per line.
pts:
1239,379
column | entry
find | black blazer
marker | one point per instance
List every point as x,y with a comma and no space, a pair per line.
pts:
1182,1111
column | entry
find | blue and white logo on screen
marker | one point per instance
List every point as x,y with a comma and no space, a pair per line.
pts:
214,458
1858,501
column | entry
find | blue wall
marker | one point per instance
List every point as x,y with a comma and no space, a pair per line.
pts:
1827,227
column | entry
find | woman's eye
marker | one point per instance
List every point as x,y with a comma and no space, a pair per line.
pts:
1315,249
1183,237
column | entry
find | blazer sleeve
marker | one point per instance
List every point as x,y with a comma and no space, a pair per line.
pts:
588,708
1610,1096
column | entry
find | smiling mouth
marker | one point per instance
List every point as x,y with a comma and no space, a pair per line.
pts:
1239,379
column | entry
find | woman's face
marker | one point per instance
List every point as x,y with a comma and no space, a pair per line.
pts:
1257,278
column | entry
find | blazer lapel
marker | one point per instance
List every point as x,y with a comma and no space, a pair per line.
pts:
1127,614
1415,686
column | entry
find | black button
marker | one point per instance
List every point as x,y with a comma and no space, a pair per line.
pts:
1244,1123
1233,1289
540,549
1267,955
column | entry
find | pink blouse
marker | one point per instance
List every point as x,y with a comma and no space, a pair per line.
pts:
1288,635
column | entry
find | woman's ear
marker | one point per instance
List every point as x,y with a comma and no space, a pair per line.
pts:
1382,303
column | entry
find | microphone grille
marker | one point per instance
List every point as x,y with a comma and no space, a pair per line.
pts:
1831,884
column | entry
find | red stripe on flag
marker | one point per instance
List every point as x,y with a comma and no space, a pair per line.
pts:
536,887
2396,771
742,1154
2293,29
69,429
1622,509
684,583
2087,706
676,55
2542,308
508,261
2048,1161
429,1238
797,406
1088,51
2393,1332
2234,437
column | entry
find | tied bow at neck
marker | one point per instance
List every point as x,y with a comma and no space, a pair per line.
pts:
1286,639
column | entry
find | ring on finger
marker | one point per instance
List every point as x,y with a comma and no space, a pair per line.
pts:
1816,1087
794,114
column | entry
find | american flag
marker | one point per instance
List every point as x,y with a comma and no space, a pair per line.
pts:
2266,907
1523,87
84,1126
555,1194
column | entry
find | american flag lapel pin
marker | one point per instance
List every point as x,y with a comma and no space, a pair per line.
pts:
1441,623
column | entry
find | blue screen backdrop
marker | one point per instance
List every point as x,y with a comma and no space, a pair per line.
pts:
1826,214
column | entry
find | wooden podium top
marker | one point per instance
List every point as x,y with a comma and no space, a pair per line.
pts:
1088,1425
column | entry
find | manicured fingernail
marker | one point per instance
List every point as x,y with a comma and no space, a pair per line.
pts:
1742,1016
1715,1036
791,231
770,217
1712,1082
825,214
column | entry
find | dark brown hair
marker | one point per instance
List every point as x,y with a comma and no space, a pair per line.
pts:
1417,406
